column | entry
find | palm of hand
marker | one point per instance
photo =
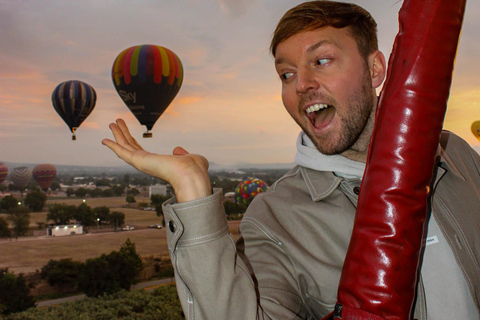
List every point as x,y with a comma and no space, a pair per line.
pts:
187,173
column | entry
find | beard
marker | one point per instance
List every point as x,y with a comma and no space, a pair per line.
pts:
355,122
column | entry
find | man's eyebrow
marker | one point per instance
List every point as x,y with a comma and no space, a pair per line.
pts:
321,43
310,49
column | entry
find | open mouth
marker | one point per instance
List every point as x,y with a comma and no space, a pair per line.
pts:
320,114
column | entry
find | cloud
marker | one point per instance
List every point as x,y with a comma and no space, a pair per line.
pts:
236,8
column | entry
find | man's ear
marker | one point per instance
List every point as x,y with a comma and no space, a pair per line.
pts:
377,67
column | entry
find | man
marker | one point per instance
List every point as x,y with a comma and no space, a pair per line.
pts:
288,261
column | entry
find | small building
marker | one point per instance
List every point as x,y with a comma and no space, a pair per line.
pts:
229,196
64,230
163,190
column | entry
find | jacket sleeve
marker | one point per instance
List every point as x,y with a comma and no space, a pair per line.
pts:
213,279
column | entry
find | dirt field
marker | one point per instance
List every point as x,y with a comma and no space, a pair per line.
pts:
31,253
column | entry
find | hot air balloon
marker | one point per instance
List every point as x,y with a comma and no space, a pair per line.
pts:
249,188
74,101
476,129
44,175
147,78
3,172
21,176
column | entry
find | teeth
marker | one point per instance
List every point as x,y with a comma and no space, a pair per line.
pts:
316,107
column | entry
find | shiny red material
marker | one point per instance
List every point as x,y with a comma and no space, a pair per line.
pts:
383,260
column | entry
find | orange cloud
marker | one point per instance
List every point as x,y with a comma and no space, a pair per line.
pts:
188,100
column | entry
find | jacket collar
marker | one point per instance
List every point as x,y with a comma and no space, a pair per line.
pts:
322,184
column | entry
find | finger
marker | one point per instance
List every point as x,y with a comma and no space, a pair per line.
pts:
126,133
179,151
118,135
122,152
120,138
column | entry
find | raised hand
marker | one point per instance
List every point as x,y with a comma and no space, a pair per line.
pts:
186,173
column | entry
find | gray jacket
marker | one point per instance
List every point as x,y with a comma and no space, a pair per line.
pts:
288,260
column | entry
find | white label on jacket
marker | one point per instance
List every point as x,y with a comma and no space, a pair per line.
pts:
432,240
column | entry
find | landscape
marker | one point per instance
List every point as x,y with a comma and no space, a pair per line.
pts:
118,191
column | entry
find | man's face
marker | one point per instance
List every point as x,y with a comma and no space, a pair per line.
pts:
326,87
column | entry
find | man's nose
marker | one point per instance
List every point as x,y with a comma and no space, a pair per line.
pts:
306,81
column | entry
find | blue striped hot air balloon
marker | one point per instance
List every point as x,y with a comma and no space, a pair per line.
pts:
74,101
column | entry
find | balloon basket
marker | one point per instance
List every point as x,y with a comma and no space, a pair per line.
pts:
147,135
74,137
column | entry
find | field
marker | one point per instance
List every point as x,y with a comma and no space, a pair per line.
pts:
31,253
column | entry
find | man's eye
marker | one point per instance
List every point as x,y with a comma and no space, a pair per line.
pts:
322,61
287,75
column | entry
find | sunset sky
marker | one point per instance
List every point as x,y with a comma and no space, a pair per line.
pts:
229,107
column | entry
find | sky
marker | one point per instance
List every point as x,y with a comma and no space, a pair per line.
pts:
229,108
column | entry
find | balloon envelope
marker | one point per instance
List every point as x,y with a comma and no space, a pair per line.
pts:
476,129
74,101
21,176
3,172
44,175
147,78
248,189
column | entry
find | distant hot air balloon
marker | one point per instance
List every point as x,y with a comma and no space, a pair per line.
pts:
3,172
44,175
74,101
147,78
476,129
248,189
21,176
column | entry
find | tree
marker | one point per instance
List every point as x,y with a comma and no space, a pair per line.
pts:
133,192
158,199
110,273
20,218
95,193
92,277
55,185
117,218
61,213
85,215
104,182
102,213
35,200
118,190
234,208
129,249
69,192
4,230
108,193
80,192
3,188
7,203
130,199
62,274
14,293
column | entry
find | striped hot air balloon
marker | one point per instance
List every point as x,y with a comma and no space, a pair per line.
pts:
44,174
74,101
21,176
3,172
147,78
